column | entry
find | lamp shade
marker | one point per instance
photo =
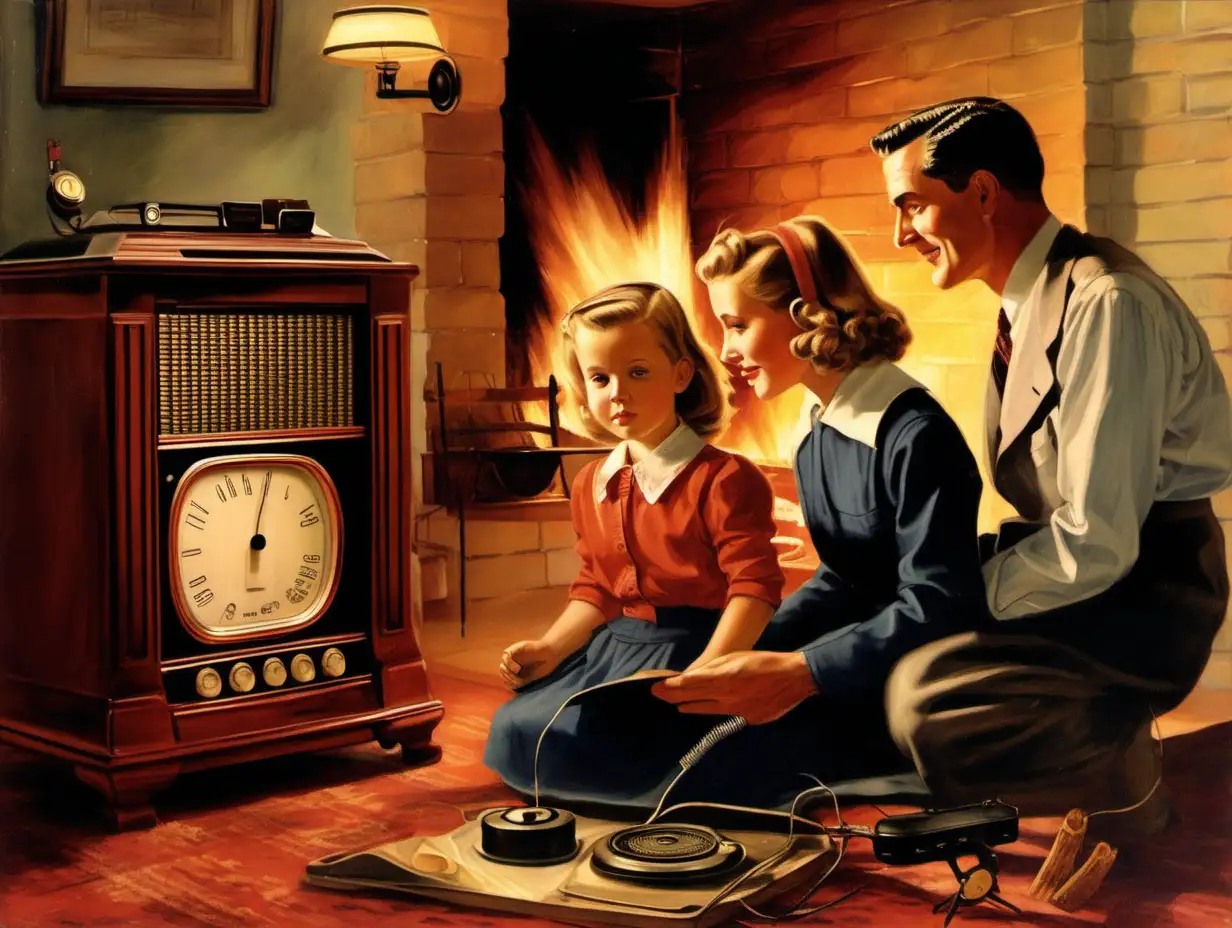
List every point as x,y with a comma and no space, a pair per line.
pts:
381,32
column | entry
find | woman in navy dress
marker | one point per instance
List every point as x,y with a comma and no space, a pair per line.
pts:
890,493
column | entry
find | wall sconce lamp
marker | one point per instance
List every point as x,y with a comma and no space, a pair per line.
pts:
386,35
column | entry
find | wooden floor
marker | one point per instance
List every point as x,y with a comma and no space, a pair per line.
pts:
233,844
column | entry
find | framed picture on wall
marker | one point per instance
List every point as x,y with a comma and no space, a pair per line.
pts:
208,53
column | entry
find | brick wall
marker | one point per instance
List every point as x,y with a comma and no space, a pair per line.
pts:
429,189
782,128
1159,179
506,557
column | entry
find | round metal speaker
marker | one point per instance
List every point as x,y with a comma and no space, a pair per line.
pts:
666,852
444,85
531,836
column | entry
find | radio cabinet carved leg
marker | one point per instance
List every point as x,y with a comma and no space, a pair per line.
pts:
128,793
415,738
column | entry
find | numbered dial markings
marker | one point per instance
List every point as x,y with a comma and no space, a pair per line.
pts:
254,544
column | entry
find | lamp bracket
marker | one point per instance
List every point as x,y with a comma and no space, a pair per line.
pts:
395,94
444,84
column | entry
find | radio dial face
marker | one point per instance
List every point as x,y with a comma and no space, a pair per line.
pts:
255,545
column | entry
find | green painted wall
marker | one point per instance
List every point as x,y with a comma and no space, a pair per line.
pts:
298,147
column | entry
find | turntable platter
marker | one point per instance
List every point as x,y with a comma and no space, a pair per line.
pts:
666,852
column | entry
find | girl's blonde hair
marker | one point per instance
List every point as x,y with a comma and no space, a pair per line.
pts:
848,325
700,404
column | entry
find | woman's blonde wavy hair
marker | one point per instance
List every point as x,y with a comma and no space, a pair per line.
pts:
701,404
848,326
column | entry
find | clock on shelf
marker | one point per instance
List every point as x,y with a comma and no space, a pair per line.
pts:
205,534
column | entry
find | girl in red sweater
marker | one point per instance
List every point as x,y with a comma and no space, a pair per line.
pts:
677,564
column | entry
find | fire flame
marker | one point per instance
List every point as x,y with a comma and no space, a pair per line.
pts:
585,239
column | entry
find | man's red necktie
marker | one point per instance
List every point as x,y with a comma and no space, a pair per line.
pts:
1001,355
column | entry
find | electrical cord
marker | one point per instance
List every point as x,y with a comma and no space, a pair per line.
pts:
698,751
1159,777
539,743
842,830
59,230
695,754
795,911
723,730
713,737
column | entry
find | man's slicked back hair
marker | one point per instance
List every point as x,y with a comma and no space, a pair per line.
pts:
969,134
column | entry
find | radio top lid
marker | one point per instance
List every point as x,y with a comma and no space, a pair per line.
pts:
148,249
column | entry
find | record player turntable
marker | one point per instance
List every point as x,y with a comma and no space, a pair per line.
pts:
670,872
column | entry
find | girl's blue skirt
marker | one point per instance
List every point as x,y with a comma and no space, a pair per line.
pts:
621,749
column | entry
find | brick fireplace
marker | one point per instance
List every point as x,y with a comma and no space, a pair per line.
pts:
774,103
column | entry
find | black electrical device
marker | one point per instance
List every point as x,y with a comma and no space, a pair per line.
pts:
948,835
921,837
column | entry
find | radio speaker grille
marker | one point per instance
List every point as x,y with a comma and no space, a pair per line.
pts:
236,372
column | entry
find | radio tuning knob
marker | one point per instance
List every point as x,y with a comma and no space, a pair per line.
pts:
333,663
209,683
242,679
274,672
302,668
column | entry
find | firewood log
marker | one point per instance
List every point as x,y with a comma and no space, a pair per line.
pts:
1080,887
1059,863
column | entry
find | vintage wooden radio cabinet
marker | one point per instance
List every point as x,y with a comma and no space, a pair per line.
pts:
205,505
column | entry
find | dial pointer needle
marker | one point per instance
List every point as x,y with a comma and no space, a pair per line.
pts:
258,540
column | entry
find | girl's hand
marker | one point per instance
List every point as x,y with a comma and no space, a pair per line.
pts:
526,661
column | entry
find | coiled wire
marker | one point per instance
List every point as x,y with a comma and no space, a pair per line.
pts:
697,752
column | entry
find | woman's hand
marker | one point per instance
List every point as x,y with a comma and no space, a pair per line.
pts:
758,686
526,661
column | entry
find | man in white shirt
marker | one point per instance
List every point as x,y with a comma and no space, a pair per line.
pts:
1109,428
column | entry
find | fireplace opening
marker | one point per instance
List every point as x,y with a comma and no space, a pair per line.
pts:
597,167
590,110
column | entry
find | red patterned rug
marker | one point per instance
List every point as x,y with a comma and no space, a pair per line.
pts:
231,847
